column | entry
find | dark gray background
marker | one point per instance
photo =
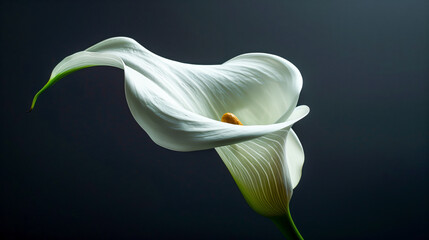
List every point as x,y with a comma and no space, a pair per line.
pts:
79,166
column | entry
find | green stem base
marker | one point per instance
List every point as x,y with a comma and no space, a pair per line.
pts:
286,226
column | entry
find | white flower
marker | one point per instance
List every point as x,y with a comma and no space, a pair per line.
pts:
180,106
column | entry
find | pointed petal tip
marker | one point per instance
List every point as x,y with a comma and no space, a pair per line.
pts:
33,103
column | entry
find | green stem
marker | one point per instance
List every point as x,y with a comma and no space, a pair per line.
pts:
286,226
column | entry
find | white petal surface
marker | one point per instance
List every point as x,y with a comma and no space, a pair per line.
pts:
179,105
294,157
258,88
264,171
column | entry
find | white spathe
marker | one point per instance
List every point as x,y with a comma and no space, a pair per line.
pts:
180,106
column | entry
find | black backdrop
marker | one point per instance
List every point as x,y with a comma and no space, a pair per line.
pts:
79,166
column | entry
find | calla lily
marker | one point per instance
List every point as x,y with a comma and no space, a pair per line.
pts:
180,106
